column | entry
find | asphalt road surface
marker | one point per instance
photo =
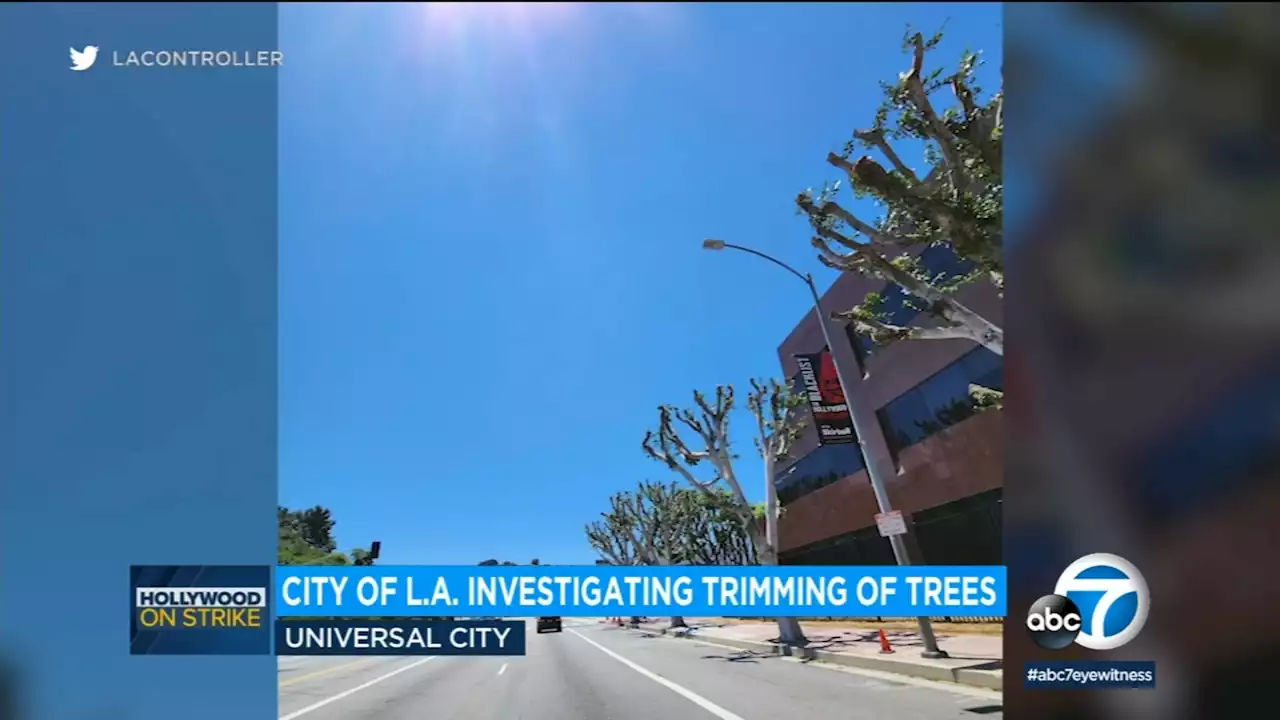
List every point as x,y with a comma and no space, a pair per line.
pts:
598,672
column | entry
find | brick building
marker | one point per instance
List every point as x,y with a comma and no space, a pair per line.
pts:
943,461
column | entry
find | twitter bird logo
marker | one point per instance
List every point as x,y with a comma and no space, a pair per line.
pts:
84,59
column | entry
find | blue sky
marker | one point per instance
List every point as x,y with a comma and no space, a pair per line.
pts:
490,224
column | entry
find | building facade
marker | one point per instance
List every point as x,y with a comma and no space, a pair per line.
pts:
942,458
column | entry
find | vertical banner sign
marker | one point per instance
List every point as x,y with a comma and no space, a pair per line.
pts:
827,403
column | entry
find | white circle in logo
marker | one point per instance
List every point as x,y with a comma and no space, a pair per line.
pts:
1093,634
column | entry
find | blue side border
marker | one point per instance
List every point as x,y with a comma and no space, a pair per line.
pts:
138,324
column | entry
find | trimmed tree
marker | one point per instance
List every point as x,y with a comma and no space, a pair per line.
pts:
641,528
959,204
712,532
666,524
778,426
689,440
615,538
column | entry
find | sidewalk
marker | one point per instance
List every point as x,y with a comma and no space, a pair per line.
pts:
976,659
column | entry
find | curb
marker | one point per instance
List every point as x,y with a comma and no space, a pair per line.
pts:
985,679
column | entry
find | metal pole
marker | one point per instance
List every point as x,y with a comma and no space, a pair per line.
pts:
862,426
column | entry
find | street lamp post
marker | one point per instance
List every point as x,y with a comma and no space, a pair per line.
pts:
862,426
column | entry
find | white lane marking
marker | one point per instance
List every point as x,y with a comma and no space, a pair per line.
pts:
502,669
686,693
354,690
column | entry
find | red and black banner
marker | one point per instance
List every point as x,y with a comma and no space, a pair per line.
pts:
820,385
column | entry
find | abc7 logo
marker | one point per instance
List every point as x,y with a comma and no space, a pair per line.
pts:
1054,622
1122,603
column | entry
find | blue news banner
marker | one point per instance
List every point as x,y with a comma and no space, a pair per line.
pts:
408,610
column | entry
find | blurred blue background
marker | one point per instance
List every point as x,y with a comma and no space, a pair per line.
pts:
138,321
1144,345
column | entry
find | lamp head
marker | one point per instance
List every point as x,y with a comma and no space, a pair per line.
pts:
712,244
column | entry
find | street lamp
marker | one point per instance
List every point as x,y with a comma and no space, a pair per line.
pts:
862,425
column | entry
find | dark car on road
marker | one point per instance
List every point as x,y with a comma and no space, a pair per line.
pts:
549,624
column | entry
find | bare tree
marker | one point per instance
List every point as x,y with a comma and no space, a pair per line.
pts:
616,539
711,531
777,428
709,445
959,204
613,537
661,517
642,528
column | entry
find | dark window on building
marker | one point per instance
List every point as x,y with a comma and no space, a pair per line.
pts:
818,469
904,420
940,401
984,368
861,344
897,303
965,531
939,259
861,547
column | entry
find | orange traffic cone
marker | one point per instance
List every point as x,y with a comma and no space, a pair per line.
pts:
885,647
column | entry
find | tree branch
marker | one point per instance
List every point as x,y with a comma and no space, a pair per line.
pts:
980,125
941,304
628,518
883,331
711,425
832,209
959,203
876,263
964,95
867,173
605,542
773,405
946,140
876,138
667,447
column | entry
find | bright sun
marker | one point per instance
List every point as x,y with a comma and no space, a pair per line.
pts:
462,26
459,17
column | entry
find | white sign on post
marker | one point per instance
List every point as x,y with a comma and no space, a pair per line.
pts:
891,523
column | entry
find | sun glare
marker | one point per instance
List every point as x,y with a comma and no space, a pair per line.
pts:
460,28
462,17
492,69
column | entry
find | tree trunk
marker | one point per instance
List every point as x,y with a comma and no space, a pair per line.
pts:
676,620
789,631
771,510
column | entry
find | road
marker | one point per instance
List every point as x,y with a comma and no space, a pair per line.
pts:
598,672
